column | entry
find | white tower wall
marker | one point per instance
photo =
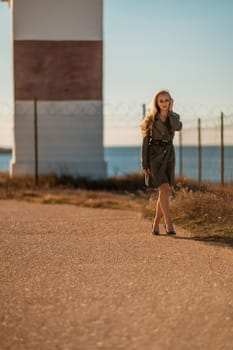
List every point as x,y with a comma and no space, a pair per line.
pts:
58,48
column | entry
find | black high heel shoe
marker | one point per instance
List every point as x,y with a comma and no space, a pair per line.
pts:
169,232
155,232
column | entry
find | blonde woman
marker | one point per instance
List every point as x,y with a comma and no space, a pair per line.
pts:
158,155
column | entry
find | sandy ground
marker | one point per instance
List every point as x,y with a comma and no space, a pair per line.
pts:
80,278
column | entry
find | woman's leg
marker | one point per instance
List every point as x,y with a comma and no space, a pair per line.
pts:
158,215
164,205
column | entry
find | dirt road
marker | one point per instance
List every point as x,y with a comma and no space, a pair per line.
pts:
78,278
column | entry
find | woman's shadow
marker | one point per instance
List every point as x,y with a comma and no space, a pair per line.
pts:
213,240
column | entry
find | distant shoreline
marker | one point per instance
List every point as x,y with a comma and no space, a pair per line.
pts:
5,150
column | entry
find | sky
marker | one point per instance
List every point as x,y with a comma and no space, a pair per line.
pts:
184,46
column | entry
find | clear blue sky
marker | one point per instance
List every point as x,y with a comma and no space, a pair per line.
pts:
185,46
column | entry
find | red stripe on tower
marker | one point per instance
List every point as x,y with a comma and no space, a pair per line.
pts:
58,70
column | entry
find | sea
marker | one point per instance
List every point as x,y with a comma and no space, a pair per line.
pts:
123,160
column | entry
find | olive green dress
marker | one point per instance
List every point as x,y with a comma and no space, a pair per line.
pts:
158,153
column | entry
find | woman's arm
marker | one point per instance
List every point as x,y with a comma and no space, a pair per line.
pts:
145,152
174,120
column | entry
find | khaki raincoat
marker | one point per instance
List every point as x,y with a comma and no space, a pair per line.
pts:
158,153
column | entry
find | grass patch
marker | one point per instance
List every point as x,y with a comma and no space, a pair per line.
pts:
206,210
124,192
129,182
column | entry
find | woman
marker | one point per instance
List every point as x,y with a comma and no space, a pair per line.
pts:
158,155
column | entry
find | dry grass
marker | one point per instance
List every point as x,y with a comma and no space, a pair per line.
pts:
110,193
205,210
130,182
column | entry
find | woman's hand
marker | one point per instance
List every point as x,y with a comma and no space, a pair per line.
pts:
147,171
171,104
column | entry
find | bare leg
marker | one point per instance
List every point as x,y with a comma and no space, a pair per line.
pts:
164,204
158,215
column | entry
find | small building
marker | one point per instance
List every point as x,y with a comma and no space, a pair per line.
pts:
57,60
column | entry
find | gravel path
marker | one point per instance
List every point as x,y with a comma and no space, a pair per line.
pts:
79,278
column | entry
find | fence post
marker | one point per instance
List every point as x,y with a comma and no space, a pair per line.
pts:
181,153
143,110
199,150
222,150
36,141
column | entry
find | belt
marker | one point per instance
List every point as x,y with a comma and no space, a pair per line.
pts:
160,142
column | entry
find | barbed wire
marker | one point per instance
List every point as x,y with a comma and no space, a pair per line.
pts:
117,114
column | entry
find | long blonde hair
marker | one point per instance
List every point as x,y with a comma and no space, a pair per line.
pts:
148,120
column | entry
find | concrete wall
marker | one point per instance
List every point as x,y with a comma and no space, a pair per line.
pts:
58,19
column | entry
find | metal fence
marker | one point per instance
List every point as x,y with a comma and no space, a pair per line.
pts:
208,142
204,148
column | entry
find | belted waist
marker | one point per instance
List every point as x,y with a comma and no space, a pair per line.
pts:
160,142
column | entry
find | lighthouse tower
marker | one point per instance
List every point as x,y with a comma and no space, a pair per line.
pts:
57,60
